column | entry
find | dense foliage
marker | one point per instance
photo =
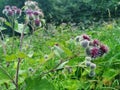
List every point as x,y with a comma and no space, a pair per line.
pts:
58,57
59,11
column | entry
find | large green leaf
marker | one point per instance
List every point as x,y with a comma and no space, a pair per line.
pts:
19,28
38,84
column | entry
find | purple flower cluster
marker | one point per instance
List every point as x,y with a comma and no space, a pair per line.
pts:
33,16
12,11
94,48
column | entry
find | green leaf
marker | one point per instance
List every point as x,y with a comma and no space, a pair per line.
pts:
3,76
8,24
2,28
110,74
16,25
11,57
20,29
62,65
37,83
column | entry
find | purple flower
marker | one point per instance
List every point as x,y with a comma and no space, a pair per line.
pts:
37,22
104,48
14,7
94,52
96,42
10,13
86,37
7,7
18,11
29,12
36,13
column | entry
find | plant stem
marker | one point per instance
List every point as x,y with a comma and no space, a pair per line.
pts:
19,59
3,46
17,73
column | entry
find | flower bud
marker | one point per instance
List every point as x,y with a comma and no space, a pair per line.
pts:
94,52
88,63
37,22
10,13
88,58
104,48
36,13
92,66
86,37
96,42
92,73
84,43
7,7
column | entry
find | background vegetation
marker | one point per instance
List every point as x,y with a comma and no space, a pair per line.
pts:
45,67
76,11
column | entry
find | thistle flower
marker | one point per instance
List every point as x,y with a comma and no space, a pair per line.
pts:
104,48
30,69
36,13
37,22
7,7
13,7
18,12
88,58
87,63
86,37
29,12
94,52
96,42
92,66
10,13
77,39
88,51
46,57
92,73
84,43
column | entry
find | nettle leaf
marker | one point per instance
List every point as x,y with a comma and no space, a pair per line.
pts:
20,28
110,74
37,83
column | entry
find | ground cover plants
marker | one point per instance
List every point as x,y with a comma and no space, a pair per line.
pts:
40,56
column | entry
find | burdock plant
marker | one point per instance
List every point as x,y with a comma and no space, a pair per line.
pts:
93,48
